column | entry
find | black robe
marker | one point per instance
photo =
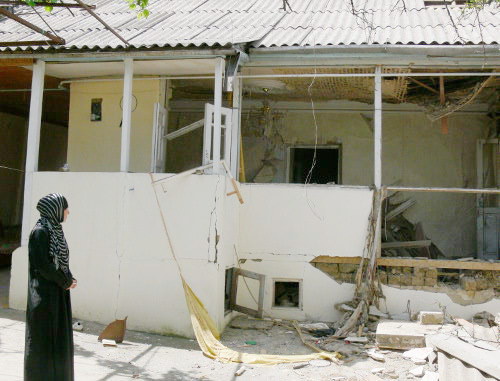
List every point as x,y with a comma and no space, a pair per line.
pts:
48,352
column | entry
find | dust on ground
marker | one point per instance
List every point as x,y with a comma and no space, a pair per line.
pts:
145,356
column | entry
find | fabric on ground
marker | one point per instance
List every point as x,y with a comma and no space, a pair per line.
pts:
208,337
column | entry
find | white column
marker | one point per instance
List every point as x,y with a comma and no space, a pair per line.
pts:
236,127
219,70
33,144
378,128
128,78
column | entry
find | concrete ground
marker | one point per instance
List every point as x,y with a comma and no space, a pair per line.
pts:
153,357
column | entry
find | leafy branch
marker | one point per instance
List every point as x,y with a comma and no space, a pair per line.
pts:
139,5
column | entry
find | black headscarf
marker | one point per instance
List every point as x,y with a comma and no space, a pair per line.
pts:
51,208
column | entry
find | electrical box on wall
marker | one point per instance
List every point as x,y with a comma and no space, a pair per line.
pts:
96,110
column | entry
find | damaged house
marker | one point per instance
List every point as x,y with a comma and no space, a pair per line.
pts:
281,148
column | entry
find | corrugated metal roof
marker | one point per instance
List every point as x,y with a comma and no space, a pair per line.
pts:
263,24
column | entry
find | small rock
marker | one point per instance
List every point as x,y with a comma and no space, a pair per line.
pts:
302,365
418,353
419,361
376,356
356,339
108,343
78,326
431,376
314,326
240,371
418,371
377,370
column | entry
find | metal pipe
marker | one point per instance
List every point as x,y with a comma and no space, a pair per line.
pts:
446,190
62,83
28,90
332,75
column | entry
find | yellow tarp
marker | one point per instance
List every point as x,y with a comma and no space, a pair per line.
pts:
208,338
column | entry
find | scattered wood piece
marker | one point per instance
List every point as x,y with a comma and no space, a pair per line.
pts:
400,209
240,371
108,343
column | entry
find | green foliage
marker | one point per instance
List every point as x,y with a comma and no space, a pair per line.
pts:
139,5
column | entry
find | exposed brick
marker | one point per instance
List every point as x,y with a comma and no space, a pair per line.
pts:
419,271
407,270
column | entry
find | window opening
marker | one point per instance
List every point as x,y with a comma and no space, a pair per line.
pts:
325,171
287,294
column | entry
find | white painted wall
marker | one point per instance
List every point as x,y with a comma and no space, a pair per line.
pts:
119,252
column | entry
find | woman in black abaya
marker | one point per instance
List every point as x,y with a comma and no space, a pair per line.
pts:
49,334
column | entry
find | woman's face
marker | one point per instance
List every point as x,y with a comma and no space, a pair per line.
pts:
66,214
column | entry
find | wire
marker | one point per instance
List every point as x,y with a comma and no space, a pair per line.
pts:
11,169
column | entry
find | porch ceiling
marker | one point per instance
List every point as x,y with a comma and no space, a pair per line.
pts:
149,67
55,103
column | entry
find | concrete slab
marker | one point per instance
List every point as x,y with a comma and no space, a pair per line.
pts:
403,334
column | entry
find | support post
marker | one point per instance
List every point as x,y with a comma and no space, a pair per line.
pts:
128,78
216,136
378,128
377,122
33,143
236,121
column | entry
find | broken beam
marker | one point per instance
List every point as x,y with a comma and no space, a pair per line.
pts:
423,85
400,209
413,262
46,4
406,245
54,39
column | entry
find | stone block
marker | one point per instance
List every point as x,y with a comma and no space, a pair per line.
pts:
348,268
431,273
393,279
482,284
431,317
468,283
405,280
417,281
419,271
407,270
431,282
382,276
395,270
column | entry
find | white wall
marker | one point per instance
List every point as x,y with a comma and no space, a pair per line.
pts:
119,252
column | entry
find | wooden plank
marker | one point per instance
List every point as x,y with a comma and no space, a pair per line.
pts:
16,62
185,130
400,209
406,244
328,259
413,262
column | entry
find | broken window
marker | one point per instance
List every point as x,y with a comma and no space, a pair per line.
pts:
287,294
326,168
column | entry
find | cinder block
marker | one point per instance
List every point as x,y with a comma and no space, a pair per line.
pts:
430,317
